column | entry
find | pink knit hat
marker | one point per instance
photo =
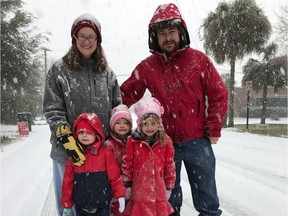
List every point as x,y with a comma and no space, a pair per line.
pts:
86,20
120,111
148,105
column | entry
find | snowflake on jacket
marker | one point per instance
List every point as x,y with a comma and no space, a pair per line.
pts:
121,127
150,170
182,82
97,92
117,147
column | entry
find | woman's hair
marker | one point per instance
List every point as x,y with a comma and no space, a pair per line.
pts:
161,136
73,58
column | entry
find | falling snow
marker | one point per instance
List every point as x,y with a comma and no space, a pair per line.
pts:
251,173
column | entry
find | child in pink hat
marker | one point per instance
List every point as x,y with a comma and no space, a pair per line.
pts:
121,126
148,168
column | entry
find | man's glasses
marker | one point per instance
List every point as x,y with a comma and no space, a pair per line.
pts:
83,38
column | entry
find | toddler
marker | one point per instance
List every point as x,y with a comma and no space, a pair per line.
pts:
121,126
91,186
148,166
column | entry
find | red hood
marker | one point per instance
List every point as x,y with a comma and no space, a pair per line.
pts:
93,120
163,13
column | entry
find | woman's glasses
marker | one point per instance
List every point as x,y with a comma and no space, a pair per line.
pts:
83,38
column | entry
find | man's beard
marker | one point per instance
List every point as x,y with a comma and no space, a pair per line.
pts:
170,51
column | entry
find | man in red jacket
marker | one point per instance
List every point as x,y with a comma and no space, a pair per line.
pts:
195,101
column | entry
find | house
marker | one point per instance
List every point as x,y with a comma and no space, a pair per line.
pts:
276,102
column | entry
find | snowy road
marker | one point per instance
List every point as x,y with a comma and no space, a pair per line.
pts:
251,175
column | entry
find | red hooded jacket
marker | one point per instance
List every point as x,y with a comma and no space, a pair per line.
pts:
92,185
118,149
150,170
183,83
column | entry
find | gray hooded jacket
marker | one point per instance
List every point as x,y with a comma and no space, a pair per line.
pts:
71,93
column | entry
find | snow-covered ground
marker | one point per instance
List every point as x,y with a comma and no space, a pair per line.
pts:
251,174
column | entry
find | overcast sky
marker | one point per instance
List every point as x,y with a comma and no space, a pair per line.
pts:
125,25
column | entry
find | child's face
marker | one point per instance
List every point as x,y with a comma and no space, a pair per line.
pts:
86,138
122,127
150,126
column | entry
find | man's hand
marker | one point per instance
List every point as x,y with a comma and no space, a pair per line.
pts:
214,140
73,149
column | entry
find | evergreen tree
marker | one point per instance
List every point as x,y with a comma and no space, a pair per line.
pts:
22,72
282,30
234,30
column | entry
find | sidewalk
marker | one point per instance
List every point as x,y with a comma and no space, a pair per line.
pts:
49,205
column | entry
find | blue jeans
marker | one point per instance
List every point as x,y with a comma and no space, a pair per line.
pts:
199,161
58,173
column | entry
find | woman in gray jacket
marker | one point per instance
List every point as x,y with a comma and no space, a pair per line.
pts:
79,82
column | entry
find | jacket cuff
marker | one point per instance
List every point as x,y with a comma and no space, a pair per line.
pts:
213,133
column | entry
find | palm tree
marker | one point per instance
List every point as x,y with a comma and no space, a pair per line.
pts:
226,78
234,30
270,72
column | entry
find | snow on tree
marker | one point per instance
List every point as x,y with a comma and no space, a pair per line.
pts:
22,72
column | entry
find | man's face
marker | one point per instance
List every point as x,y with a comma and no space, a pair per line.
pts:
168,39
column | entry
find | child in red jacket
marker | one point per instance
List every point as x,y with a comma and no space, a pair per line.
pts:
148,166
121,127
91,186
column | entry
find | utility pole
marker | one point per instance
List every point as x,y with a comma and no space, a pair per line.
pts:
45,58
45,70
248,87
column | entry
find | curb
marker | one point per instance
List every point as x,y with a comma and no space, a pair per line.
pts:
49,208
